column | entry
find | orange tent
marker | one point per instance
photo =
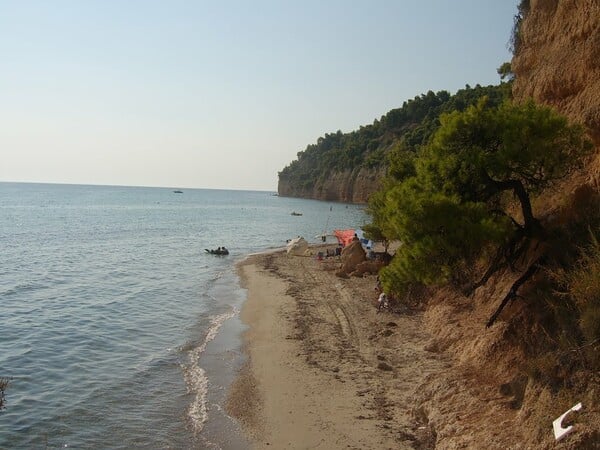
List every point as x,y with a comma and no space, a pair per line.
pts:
344,237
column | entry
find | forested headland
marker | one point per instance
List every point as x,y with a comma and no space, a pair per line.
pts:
398,133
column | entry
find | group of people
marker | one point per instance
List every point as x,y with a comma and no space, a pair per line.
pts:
333,252
329,253
218,251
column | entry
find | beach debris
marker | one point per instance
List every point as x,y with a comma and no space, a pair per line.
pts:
559,431
384,366
341,274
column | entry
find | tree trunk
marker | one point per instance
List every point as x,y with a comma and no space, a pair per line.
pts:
531,226
512,293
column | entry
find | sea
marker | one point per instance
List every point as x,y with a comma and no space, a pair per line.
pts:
117,329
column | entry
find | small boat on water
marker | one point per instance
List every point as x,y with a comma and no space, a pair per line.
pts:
294,213
222,251
178,192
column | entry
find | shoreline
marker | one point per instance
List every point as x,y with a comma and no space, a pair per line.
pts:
323,368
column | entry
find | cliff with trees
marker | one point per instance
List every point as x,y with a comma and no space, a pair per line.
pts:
498,215
349,167
495,201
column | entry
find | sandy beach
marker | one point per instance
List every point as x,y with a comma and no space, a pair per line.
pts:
325,369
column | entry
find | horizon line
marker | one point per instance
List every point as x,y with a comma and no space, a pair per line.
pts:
137,186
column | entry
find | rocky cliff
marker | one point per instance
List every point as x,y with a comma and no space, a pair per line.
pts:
352,186
557,61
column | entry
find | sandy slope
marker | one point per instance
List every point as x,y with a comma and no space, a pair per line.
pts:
325,369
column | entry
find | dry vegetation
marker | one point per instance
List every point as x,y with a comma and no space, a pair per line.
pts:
543,353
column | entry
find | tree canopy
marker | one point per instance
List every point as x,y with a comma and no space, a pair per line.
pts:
401,131
452,200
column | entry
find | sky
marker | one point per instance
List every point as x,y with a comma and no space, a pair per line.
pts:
223,95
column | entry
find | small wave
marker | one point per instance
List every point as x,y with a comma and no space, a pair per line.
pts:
166,358
217,276
22,288
195,376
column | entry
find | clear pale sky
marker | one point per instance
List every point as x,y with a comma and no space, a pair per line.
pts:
220,94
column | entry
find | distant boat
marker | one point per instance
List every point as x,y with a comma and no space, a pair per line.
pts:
294,213
178,192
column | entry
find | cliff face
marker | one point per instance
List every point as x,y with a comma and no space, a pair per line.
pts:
347,186
558,59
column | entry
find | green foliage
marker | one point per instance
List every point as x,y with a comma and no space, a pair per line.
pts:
400,132
377,211
401,161
450,203
505,72
481,146
437,230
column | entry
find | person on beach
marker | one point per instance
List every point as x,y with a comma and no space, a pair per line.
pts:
381,301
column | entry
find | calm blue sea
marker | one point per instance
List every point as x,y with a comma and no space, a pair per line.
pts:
117,329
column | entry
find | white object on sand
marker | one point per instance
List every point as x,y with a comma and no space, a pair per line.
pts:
559,431
297,247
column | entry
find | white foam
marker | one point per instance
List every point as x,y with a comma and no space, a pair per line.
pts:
217,275
195,376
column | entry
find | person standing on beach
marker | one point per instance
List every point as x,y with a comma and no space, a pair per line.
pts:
381,301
